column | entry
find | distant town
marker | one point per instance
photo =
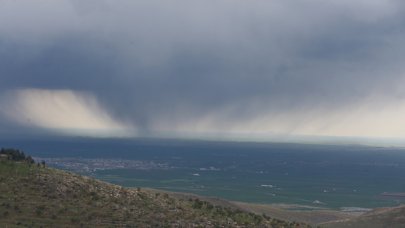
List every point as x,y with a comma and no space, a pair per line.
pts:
89,166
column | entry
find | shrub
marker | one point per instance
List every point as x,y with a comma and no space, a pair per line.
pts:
16,155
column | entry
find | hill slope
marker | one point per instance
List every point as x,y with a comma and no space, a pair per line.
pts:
381,217
35,196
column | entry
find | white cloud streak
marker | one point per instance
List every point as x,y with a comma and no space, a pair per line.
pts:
62,111
373,118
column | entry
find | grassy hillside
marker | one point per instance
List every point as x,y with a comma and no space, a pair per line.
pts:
36,196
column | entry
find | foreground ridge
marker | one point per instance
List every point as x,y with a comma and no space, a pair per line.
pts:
33,195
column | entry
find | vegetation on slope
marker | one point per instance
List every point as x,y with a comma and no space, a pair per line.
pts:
15,155
37,196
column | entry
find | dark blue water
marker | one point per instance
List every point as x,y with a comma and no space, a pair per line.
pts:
336,176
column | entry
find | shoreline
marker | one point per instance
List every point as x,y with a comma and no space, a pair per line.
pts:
294,212
312,215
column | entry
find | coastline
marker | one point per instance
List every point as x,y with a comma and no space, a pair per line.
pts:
312,215
294,212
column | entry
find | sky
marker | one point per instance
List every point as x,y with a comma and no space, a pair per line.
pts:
255,69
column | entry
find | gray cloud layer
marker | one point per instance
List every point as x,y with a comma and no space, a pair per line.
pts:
157,63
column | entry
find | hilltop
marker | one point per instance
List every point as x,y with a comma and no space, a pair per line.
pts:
33,195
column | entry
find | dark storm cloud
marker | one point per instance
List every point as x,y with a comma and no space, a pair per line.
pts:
151,60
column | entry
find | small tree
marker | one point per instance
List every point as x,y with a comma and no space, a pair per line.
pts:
29,160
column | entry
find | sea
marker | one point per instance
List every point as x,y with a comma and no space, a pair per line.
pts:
340,177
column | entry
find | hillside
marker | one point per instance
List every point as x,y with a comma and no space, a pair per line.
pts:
33,195
381,217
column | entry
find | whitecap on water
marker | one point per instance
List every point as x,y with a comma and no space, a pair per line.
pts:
267,185
318,202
